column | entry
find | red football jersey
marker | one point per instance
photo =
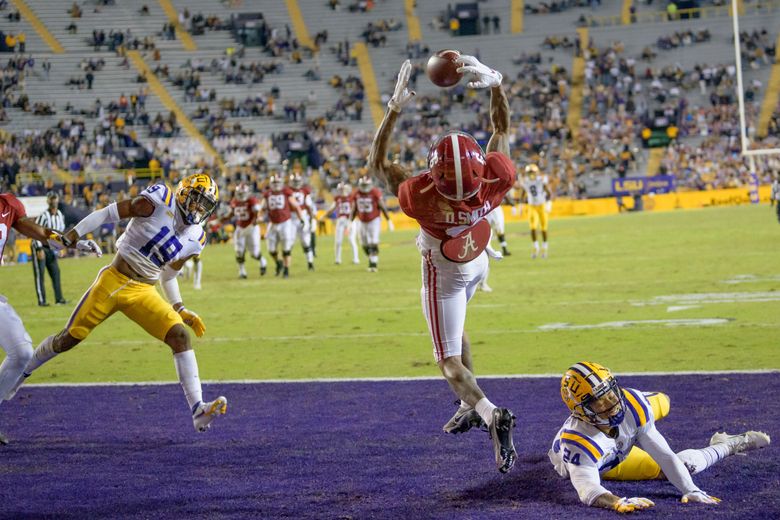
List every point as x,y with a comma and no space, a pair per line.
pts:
343,206
367,204
436,214
245,211
278,205
299,196
11,210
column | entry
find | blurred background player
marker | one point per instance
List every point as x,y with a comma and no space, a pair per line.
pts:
536,194
44,257
496,220
368,204
343,205
14,339
278,203
774,197
607,423
245,207
306,224
449,202
164,232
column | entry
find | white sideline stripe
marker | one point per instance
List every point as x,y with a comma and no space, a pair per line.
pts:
399,379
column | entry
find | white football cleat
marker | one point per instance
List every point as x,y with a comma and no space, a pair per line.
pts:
207,412
750,440
485,287
196,286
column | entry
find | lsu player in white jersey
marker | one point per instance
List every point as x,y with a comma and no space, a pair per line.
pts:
601,440
343,204
536,194
163,233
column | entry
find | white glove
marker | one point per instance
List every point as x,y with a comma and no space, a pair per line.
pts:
483,75
390,226
492,253
629,505
402,95
699,496
89,246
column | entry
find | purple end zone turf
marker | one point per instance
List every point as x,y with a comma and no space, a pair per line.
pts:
351,450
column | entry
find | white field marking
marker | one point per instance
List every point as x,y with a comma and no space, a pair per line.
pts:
710,298
703,322
400,379
677,308
751,278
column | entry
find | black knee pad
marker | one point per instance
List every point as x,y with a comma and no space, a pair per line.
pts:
285,253
240,259
306,249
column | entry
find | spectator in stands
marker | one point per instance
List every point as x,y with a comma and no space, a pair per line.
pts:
74,11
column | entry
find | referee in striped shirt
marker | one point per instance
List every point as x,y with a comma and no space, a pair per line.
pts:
43,256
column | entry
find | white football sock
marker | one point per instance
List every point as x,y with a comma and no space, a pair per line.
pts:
309,256
338,253
698,460
241,270
42,354
536,246
16,359
263,262
187,370
485,410
374,259
198,272
544,246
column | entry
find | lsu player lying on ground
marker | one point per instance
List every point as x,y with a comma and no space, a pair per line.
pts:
164,232
597,442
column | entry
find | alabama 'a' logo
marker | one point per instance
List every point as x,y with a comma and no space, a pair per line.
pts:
468,244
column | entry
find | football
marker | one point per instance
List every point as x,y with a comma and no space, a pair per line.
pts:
442,68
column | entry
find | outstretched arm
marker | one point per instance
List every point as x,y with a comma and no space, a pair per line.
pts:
137,207
484,77
54,239
391,174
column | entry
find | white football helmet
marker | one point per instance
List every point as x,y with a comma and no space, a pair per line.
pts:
276,183
344,189
365,183
243,191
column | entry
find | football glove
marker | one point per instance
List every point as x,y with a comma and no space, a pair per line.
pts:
193,320
57,241
89,246
699,496
629,505
492,253
402,95
483,76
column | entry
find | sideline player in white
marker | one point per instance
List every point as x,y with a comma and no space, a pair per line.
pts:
496,220
307,222
536,193
163,233
450,201
246,209
368,204
14,339
599,441
279,203
774,197
343,204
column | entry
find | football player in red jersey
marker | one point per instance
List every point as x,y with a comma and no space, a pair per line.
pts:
343,204
246,209
14,339
450,202
304,228
279,204
368,205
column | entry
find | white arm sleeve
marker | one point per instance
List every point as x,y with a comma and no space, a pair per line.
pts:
675,471
97,218
587,481
170,284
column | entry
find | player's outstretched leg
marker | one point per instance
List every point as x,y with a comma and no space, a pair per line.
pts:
501,427
465,418
722,445
187,369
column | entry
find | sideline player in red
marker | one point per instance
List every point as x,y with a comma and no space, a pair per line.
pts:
343,204
450,202
279,203
245,208
368,204
14,339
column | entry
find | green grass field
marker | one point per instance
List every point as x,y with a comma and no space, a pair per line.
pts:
341,321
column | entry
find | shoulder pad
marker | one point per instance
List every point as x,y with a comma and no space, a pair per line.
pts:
159,194
638,405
